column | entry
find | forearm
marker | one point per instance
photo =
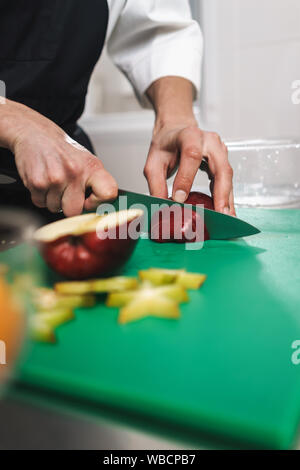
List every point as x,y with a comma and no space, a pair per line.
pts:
17,119
172,100
8,131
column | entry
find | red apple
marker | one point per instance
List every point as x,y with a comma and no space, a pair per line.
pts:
178,227
89,245
200,198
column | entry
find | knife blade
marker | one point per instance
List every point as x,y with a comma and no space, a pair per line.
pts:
219,226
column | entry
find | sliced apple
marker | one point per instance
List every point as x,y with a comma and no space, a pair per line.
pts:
88,245
146,293
158,306
47,299
160,277
97,286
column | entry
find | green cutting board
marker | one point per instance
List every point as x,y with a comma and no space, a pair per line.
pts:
224,369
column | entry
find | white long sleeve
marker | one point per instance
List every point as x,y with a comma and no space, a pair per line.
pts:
150,39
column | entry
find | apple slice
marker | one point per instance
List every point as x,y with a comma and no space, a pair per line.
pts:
88,245
158,306
160,277
97,286
47,299
146,293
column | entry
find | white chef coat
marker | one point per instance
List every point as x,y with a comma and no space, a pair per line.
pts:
150,39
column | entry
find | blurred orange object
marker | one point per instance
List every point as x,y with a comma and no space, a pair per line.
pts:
11,328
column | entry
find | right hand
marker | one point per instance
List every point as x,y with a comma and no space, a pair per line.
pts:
55,169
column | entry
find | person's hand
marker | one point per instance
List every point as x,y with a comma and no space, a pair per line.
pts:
184,145
56,170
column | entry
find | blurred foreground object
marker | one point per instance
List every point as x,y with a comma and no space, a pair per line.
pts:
11,327
16,276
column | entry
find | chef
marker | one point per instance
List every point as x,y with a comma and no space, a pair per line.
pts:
48,50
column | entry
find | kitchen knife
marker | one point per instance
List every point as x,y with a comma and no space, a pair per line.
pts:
219,226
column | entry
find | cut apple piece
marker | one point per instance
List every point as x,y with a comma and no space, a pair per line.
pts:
41,331
168,276
154,306
88,245
146,293
97,286
46,299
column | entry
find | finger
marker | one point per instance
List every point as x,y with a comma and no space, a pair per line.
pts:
54,199
155,172
104,188
191,152
38,198
219,165
72,200
231,204
38,187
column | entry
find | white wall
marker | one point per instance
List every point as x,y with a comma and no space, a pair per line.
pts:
252,56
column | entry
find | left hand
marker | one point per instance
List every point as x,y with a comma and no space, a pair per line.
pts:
184,144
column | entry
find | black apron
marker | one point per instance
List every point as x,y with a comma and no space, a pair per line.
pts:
48,49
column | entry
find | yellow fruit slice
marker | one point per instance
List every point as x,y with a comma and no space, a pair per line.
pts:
97,286
155,306
147,292
160,277
45,299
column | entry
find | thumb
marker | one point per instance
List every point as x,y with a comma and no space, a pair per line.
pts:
103,186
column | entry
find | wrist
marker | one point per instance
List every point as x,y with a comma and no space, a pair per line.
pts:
10,113
171,121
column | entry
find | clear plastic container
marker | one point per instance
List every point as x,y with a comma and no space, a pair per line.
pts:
266,172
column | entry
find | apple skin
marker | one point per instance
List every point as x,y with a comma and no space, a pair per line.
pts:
179,230
86,256
196,197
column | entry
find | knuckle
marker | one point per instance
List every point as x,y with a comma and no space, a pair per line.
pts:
229,170
214,136
38,184
224,146
93,162
73,168
193,152
112,192
56,179
147,171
